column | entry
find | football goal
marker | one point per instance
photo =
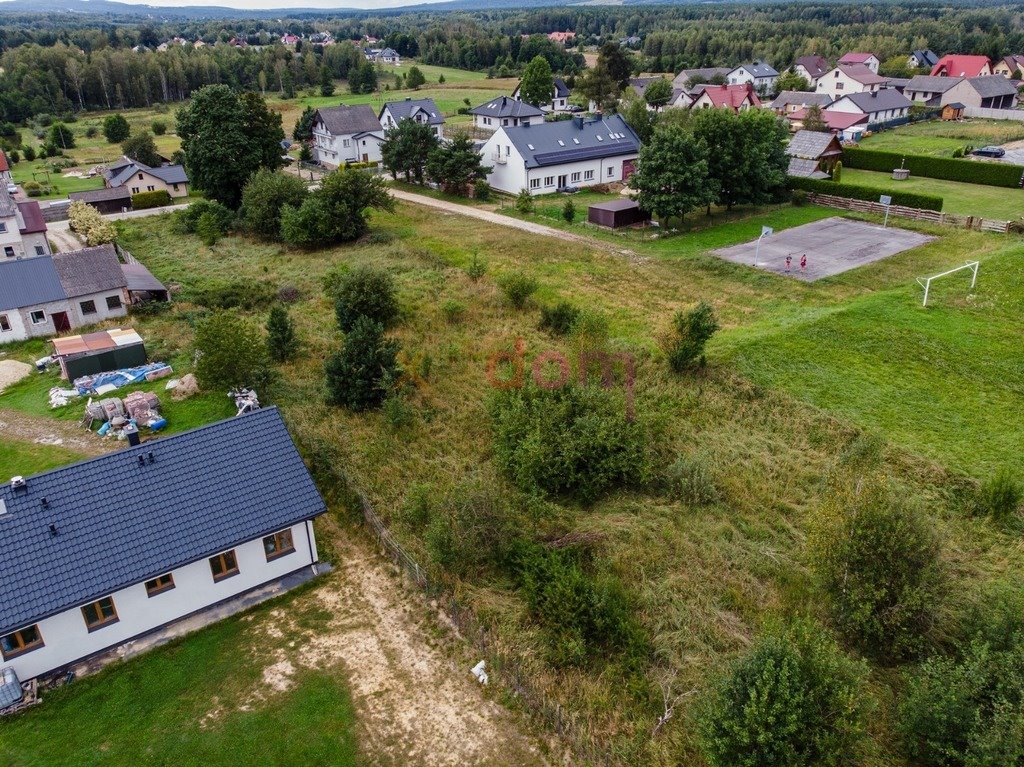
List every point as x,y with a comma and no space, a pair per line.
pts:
926,282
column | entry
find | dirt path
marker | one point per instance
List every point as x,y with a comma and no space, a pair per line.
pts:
61,238
416,701
48,431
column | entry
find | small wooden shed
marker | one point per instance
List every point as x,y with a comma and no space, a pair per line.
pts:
106,200
617,213
954,111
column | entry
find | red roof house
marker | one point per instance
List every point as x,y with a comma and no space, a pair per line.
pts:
837,122
5,168
32,215
955,65
734,97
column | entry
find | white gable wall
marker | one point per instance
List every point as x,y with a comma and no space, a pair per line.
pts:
838,84
335,150
67,639
23,327
881,115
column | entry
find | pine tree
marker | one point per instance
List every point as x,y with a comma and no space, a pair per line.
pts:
280,335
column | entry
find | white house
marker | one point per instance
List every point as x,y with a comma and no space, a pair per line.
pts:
102,552
925,59
792,101
879,106
53,294
344,134
22,228
547,157
869,60
139,177
559,97
738,98
423,111
505,112
812,68
759,74
849,78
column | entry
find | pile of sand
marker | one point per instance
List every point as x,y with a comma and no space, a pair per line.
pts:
12,371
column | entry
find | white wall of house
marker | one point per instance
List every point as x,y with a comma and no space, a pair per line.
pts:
388,121
838,84
11,245
882,115
486,122
704,102
147,182
801,70
67,639
965,93
742,76
334,151
35,244
872,63
36,321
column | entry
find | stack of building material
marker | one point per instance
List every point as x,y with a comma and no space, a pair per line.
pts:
143,406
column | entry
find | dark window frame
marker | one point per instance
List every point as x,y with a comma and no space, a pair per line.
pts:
117,302
86,311
276,540
159,588
222,560
101,619
25,647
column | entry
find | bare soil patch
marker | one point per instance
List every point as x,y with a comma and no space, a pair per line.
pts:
44,431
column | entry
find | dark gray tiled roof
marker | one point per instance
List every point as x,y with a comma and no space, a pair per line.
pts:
803,98
573,140
90,270
119,174
811,145
506,106
879,101
101,195
119,523
929,84
402,110
926,57
347,120
759,69
988,86
561,89
29,282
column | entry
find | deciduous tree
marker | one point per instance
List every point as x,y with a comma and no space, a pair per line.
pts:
672,174
538,83
115,128
406,148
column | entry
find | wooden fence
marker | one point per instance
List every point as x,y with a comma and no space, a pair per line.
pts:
917,214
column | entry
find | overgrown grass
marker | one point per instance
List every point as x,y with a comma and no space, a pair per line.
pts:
964,199
941,139
185,704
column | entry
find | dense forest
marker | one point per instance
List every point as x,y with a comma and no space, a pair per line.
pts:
64,64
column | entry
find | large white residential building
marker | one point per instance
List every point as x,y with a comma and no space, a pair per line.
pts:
346,134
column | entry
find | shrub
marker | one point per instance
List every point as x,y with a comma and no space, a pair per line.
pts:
398,411
115,128
336,212
877,560
569,211
187,220
967,171
30,153
365,292
60,135
263,197
999,497
14,157
91,131
518,288
159,127
868,193
243,294
280,335
799,198
837,172
87,221
692,331
570,440
524,202
691,480
453,311
558,319
231,352
208,230
470,529
477,267
156,199
32,188
482,190
360,376
583,616
792,699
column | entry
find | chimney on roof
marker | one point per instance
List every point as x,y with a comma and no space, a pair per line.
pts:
18,483
132,433
577,122
874,94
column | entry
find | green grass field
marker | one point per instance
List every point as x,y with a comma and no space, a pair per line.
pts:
27,458
965,199
941,139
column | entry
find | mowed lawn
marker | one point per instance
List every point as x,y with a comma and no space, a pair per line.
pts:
27,458
196,702
992,202
941,139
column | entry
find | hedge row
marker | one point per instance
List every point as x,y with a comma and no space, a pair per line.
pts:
968,171
157,199
869,193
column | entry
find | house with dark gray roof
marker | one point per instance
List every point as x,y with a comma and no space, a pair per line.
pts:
345,134
138,177
687,79
925,59
985,92
22,228
108,550
555,155
56,293
505,112
930,91
423,111
761,75
559,97
791,101
880,106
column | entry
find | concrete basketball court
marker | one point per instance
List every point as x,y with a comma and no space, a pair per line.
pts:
832,245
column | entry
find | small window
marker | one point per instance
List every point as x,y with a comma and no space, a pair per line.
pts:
278,544
530,147
600,138
575,141
5,324
100,613
534,183
140,177
113,302
9,252
175,187
224,565
159,585
611,171
346,142
135,190
150,188
839,86
38,317
40,250
3,227
588,175
20,642
576,176
88,307
561,143
549,181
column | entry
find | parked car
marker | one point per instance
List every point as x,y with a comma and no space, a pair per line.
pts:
989,151
568,189
12,189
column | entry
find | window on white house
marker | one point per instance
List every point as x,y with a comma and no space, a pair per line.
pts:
38,317
159,585
534,183
88,307
113,302
549,181
5,324
150,188
175,187
839,86
100,613
135,190
611,171
40,250
9,251
346,142
278,545
140,177
223,565
3,227
20,642
588,175
576,176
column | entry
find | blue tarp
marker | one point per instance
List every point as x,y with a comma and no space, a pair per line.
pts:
118,378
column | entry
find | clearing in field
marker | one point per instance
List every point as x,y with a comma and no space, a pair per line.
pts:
832,246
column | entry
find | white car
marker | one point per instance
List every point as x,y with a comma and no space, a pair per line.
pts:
12,189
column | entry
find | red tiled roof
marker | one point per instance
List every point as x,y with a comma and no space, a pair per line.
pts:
837,121
862,74
856,58
956,65
4,167
732,96
33,216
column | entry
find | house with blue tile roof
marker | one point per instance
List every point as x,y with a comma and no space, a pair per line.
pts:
115,548
423,111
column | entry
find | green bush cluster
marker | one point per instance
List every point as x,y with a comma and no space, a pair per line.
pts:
574,440
999,497
691,332
558,319
691,479
363,372
361,165
187,220
967,171
518,288
157,199
470,529
583,615
243,294
869,193
365,292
